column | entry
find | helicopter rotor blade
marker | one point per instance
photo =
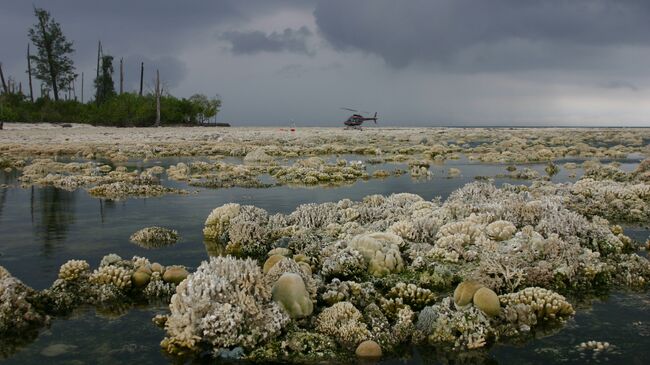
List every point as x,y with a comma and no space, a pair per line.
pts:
349,109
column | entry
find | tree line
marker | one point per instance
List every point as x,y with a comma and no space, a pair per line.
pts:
59,102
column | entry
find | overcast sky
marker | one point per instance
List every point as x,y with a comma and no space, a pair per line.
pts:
418,62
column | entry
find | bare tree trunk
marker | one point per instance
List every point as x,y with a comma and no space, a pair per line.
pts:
2,78
20,87
157,99
99,55
82,88
141,76
121,76
29,72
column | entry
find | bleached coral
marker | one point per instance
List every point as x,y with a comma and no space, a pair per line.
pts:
344,322
381,252
462,328
225,303
343,263
154,237
17,312
218,221
412,295
500,230
117,276
74,269
247,232
544,303
359,294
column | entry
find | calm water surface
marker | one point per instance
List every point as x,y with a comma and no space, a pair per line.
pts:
43,227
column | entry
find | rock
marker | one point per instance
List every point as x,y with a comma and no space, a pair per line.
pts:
487,301
270,262
465,292
140,279
175,274
290,292
368,349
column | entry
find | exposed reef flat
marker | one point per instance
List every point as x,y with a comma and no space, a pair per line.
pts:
94,158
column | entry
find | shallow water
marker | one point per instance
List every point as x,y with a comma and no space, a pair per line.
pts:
43,227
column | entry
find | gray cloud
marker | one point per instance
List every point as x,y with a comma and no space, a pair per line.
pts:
528,33
417,62
619,85
252,42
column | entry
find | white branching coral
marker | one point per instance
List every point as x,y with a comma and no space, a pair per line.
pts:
344,322
500,230
218,221
225,303
248,233
154,237
343,263
544,303
117,276
73,270
412,295
17,313
463,328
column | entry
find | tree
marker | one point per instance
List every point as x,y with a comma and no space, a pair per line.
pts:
105,88
205,108
53,65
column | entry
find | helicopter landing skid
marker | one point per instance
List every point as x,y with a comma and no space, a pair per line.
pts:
358,128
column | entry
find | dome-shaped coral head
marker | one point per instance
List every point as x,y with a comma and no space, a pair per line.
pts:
381,251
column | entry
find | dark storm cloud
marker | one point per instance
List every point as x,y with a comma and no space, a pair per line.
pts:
155,28
252,42
461,33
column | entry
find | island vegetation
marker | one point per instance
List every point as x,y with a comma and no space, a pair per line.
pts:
59,102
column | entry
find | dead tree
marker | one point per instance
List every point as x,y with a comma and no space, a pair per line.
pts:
2,78
121,76
141,76
29,73
157,99
82,87
99,56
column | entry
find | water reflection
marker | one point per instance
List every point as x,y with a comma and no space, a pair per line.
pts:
56,213
3,197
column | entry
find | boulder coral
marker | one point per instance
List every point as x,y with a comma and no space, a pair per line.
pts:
291,293
381,252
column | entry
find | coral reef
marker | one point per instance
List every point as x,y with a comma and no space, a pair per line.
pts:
224,304
154,237
345,323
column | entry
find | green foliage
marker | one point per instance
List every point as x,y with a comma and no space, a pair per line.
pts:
125,110
104,86
52,63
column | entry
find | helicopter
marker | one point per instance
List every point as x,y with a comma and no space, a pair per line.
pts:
356,120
